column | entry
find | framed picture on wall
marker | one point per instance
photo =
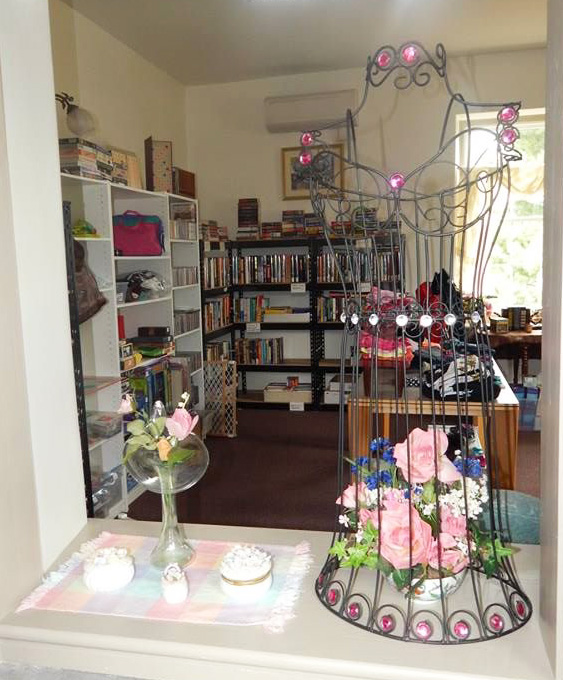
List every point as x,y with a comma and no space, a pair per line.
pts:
295,186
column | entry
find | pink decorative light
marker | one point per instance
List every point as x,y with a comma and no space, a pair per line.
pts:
509,136
520,609
423,630
410,54
462,630
383,59
387,623
354,611
332,596
496,623
305,158
396,181
307,138
508,114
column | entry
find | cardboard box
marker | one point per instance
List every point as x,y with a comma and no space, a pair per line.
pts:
279,393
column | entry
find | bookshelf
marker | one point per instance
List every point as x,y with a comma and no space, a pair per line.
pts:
297,273
102,382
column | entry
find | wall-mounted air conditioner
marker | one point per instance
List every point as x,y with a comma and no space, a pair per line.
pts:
294,113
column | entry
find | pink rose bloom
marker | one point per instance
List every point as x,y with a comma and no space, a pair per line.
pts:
452,558
422,457
397,533
181,424
348,498
366,515
456,526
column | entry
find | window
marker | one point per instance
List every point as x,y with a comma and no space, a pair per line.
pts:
514,273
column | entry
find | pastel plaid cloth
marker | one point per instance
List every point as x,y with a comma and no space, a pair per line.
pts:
64,590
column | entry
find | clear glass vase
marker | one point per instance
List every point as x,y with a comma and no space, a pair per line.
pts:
168,479
172,546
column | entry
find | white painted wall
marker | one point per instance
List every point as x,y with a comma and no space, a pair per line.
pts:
234,155
44,359
130,98
551,605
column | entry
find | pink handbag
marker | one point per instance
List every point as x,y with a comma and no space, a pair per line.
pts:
137,234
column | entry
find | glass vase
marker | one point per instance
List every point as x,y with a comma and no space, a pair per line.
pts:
172,546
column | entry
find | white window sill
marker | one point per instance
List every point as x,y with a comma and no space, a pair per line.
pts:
314,644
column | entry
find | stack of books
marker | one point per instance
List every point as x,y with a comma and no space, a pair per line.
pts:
312,225
248,219
85,159
153,341
292,223
120,167
209,231
271,230
287,315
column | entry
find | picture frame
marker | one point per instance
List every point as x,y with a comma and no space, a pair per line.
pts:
293,189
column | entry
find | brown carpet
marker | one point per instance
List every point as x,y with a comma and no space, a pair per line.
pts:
280,472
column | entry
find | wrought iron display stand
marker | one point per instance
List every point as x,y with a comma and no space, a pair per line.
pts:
364,586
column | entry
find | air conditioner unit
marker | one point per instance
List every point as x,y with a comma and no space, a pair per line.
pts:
294,113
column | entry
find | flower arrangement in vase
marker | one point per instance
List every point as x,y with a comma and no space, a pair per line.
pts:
165,455
412,513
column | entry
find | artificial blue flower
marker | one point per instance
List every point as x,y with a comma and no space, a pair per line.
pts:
388,455
371,481
385,477
379,444
472,467
407,493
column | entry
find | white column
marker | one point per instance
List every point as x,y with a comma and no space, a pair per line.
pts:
551,606
34,190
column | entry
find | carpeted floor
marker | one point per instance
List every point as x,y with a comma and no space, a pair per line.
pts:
280,472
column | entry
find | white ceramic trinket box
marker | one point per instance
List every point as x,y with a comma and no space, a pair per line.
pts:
107,569
246,573
174,584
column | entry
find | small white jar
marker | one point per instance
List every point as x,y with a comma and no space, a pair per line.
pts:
174,584
108,569
246,573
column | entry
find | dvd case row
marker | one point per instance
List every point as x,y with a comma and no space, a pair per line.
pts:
284,268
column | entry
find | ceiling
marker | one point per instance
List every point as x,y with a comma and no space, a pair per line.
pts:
215,41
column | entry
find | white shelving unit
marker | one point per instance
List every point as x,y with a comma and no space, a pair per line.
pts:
97,201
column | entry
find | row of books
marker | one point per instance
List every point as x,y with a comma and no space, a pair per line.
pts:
183,229
284,268
211,231
259,351
250,309
330,307
385,266
218,350
85,159
217,313
152,383
216,272
185,320
184,276
191,359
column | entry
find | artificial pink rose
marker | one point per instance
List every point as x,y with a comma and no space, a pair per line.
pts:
451,556
404,543
181,424
423,455
366,515
456,526
348,498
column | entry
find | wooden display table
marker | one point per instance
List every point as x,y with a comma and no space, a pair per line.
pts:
518,346
506,409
